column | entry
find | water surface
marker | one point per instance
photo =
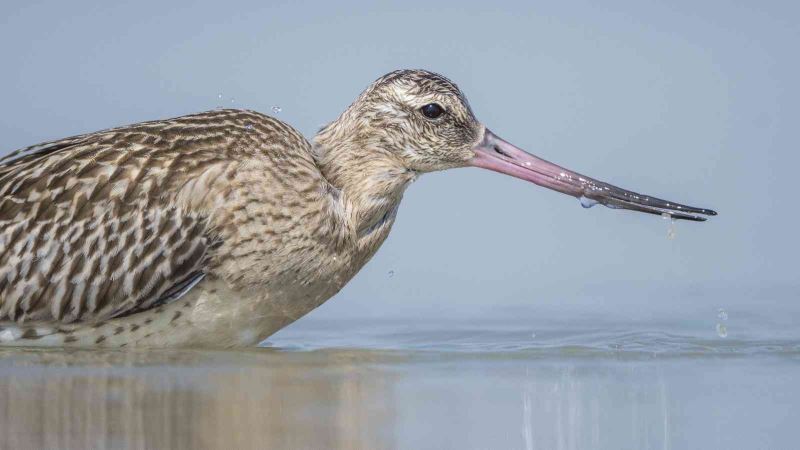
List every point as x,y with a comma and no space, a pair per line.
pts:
483,383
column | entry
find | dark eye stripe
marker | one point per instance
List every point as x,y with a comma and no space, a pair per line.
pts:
432,110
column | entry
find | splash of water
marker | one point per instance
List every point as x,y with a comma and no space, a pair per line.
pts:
671,232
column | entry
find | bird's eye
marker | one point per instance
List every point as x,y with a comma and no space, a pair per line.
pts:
432,110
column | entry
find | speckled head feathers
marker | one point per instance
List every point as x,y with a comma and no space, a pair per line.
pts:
388,116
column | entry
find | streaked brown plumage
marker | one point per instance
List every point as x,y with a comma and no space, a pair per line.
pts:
213,229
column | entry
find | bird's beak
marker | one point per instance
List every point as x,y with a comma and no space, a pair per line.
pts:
496,154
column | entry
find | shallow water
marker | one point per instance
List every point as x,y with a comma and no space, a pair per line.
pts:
489,383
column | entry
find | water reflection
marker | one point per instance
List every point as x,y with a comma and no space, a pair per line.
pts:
581,410
381,399
258,399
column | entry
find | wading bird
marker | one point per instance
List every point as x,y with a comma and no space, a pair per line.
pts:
217,229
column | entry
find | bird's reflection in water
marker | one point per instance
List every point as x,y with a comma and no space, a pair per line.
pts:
374,399
187,399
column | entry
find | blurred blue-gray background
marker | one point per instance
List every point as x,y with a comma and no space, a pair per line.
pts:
498,314
695,102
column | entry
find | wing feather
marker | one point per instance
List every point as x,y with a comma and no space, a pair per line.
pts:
110,223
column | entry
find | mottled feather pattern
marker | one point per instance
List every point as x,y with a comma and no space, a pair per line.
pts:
99,225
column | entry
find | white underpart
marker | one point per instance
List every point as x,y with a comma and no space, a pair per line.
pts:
9,335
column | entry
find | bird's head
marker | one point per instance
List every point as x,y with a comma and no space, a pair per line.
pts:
423,122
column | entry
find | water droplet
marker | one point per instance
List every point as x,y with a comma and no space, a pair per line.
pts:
587,202
233,100
249,126
722,330
533,335
276,109
391,273
722,314
219,101
671,233
665,216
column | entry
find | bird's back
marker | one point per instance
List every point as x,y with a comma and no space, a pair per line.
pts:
111,223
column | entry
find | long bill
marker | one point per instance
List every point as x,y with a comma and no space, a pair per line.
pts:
498,155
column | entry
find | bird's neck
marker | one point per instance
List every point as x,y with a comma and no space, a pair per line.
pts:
370,180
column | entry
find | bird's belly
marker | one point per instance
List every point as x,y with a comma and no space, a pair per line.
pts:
210,315
218,316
